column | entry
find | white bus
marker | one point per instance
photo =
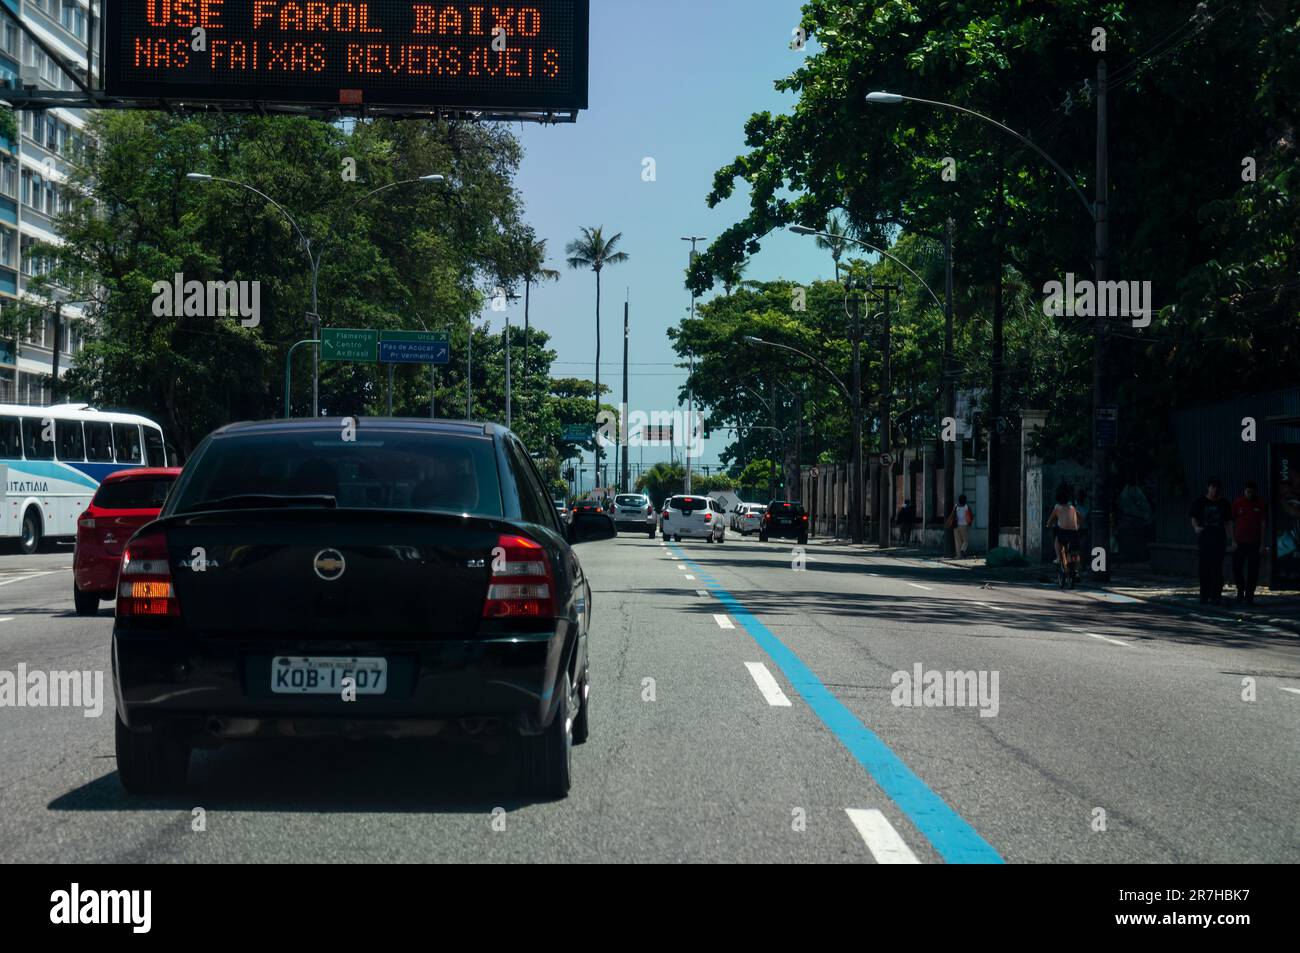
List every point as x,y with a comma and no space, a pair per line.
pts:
52,459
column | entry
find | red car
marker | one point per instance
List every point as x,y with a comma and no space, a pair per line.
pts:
124,502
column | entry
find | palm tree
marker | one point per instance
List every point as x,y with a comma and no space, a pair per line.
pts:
534,269
732,275
835,245
592,250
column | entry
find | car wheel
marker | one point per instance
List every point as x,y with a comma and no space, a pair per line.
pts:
803,540
709,538
548,757
581,725
762,537
677,539
150,762
652,532
87,603
31,533
722,539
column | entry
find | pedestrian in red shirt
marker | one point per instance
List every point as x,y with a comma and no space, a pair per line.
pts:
1249,517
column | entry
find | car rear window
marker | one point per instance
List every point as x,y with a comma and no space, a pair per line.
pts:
688,504
144,493
786,508
626,500
377,470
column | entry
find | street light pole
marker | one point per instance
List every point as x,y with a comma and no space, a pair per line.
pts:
1097,212
314,258
690,392
949,395
854,401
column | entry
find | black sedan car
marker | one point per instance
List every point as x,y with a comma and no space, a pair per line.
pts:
412,578
785,518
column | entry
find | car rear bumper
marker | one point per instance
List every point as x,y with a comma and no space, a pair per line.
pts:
210,689
95,573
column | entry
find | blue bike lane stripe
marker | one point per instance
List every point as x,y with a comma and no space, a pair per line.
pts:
948,833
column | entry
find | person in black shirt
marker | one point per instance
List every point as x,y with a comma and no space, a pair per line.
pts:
1211,518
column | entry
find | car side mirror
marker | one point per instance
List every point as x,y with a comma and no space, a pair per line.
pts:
587,527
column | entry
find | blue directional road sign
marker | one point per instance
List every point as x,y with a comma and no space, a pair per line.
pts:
414,347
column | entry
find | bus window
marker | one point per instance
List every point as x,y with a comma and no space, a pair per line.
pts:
72,447
153,445
33,445
99,442
11,443
126,440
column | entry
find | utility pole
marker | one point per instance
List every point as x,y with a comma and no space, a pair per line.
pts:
771,479
1098,515
949,394
54,362
690,398
995,398
625,486
469,372
886,507
855,491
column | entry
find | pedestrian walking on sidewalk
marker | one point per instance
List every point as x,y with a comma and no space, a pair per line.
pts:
1249,517
1211,518
906,520
959,521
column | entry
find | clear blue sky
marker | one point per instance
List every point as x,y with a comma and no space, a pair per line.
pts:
674,81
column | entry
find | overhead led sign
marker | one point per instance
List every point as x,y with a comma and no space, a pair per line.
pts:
464,54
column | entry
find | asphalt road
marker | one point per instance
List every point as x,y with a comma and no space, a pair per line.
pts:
745,714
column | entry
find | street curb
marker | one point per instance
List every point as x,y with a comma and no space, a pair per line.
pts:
1012,574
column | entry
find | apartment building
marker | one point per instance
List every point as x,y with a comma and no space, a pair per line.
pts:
32,171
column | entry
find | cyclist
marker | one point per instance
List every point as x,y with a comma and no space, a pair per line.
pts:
1065,517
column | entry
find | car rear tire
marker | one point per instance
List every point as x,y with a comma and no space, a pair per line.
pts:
581,724
30,541
548,757
150,762
762,537
709,538
722,539
652,532
87,603
803,540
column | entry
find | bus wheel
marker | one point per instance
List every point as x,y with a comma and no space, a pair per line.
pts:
31,538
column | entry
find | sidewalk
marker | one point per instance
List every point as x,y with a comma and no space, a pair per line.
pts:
1278,608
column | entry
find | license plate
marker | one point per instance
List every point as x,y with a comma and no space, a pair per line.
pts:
295,675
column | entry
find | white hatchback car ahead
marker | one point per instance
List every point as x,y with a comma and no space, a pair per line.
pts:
693,517
751,520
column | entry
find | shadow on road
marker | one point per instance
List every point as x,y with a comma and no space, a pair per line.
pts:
455,776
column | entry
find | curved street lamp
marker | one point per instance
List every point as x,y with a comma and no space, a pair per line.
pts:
313,259
1101,244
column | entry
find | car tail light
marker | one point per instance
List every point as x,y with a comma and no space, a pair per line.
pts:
86,521
708,517
144,587
665,514
649,510
805,517
522,585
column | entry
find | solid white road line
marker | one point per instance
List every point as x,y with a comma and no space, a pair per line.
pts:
30,575
881,838
1293,691
767,685
917,585
723,621
1111,641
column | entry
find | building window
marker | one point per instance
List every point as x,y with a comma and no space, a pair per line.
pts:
8,393
8,247
9,40
9,177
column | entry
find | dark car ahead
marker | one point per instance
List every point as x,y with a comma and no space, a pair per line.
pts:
297,583
784,518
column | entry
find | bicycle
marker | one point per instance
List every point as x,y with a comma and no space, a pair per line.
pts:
1067,567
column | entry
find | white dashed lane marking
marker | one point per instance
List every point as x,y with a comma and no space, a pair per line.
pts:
767,685
881,838
723,621
1111,641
